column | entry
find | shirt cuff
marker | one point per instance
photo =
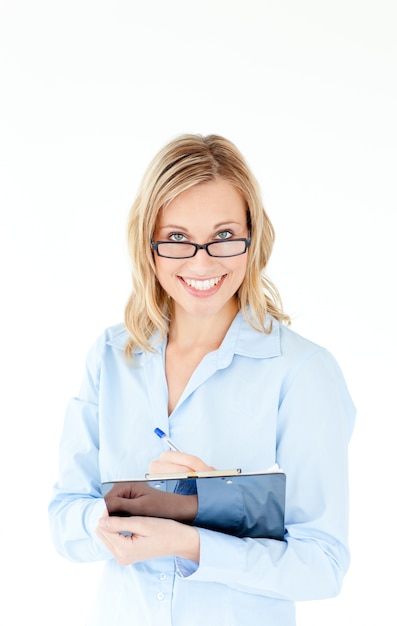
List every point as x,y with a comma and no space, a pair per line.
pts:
220,556
92,514
185,567
214,547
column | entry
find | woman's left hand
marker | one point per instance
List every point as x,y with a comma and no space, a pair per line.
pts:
176,462
150,538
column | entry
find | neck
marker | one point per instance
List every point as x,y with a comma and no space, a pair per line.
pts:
200,332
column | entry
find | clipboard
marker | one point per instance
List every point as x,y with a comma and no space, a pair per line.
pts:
231,502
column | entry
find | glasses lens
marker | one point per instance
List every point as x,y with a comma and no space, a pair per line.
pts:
176,250
231,247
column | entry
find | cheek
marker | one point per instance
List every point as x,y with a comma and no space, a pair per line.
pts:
165,270
240,268
158,264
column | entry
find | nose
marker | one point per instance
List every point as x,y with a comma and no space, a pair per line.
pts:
201,263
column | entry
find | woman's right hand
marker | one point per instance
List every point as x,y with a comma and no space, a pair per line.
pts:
135,539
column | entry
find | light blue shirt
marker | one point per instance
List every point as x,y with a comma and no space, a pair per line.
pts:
257,400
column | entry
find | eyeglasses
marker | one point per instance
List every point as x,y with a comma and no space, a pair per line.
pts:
185,250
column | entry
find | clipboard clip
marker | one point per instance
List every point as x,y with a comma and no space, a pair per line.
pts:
185,475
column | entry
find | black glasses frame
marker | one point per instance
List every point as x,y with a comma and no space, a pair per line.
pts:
206,246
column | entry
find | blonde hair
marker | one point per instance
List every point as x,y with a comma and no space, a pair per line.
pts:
184,162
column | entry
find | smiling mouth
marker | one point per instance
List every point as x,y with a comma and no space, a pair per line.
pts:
203,285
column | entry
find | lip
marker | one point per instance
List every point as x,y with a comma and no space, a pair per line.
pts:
205,289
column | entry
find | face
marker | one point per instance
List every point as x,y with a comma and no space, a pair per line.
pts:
203,285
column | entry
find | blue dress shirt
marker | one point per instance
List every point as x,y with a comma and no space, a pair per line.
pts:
257,400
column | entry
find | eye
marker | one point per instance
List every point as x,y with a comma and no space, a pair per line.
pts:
224,234
176,237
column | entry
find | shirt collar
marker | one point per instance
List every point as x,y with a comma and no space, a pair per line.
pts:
118,337
240,339
255,344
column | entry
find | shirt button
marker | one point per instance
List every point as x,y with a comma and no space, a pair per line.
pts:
163,576
160,596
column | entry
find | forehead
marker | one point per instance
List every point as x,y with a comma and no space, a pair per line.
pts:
215,201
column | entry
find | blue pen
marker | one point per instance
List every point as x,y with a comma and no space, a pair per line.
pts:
167,440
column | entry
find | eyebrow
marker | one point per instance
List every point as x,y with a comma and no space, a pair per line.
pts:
215,227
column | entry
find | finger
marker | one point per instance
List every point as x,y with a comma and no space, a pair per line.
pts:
118,544
188,462
163,467
194,463
104,516
116,525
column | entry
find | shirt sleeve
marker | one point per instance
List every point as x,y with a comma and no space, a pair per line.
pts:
315,422
74,516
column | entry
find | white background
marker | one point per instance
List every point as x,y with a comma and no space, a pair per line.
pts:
90,90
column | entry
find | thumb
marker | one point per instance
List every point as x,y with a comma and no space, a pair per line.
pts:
117,525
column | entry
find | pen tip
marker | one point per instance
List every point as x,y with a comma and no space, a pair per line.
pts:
159,432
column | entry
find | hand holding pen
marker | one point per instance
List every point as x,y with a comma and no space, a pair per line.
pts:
174,461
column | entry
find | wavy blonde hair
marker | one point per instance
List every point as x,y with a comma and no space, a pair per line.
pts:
184,162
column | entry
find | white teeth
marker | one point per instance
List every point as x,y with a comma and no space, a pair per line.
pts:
202,285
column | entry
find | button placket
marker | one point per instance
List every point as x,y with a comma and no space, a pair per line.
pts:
164,587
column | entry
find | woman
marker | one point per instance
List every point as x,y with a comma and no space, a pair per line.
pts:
206,355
